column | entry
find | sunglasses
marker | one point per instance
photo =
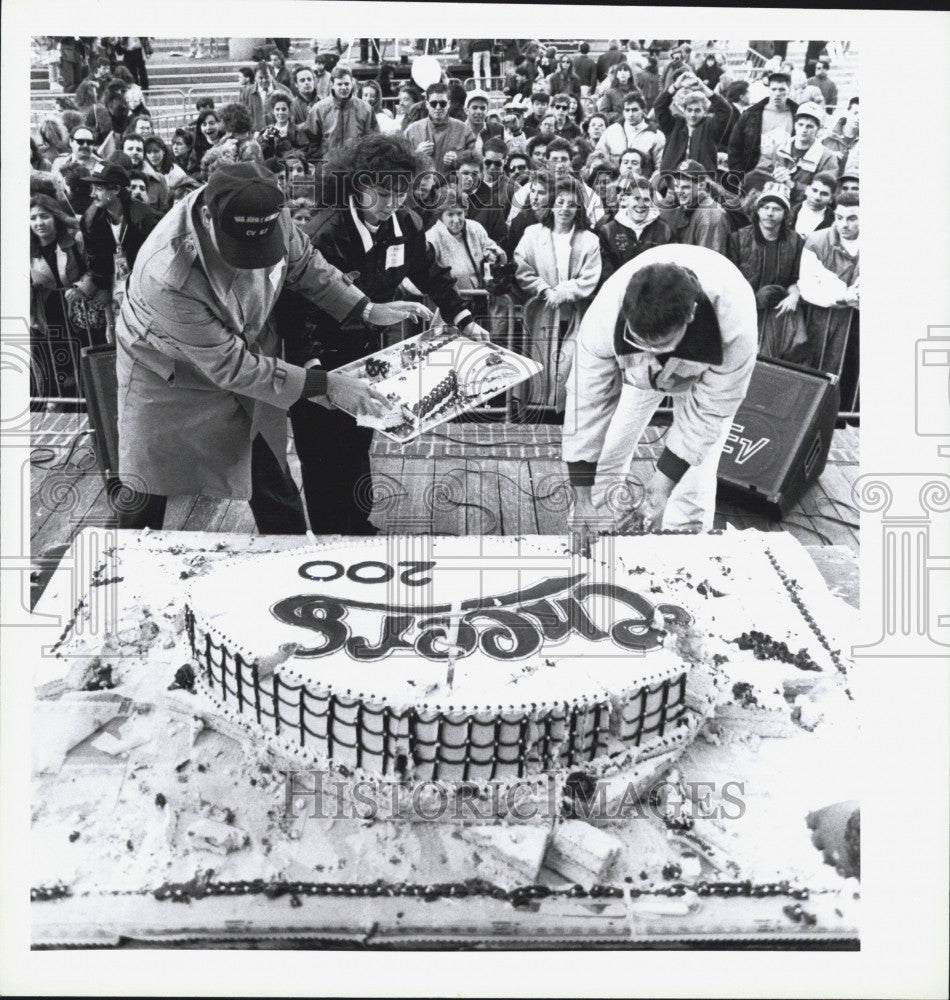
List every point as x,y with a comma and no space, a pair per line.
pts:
438,104
562,107
494,163
84,142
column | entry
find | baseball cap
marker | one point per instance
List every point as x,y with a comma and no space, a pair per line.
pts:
849,175
245,201
517,104
810,110
476,95
107,173
691,168
776,192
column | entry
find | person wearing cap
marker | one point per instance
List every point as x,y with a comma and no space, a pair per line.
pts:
769,252
514,135
849,182
697,219
114,229
203,392
476,110
338,119
439,136
693,119
677,321
368,231
800,158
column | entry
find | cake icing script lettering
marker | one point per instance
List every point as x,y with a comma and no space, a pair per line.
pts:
510,626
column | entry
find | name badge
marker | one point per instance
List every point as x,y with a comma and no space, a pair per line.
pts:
395,256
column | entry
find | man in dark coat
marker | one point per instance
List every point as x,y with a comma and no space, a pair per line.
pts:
767,119
694,133
486,205
366,233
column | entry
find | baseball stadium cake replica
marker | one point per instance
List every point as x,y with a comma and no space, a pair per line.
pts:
430,731
436,376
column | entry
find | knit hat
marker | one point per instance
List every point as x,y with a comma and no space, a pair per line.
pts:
245,202
774,191
810,110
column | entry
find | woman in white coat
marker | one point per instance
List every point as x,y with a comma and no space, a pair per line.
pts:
558,268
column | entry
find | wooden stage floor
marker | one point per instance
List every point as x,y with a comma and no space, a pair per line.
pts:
461,479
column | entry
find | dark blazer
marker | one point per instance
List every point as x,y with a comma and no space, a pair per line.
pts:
309,333
745,141
100,241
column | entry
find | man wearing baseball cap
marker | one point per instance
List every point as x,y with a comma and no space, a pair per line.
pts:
799,158
203,392
476,111
698,219
114,227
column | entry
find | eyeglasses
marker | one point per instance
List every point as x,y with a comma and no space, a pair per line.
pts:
561,107
494,163
84,142
438,104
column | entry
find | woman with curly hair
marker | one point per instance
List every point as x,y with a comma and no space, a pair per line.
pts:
57,262
364,229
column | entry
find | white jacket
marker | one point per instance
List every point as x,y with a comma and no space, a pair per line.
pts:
715,389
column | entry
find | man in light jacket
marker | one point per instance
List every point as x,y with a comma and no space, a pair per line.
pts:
203,393
338,119
679,321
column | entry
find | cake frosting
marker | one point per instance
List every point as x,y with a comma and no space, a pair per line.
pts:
556,661
139,783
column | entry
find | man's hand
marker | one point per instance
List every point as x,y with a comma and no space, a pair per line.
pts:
782,174
450,158
425,147
851,298
354,396
788,305
649,515
477,332
553,297
73,292
389,313
585,522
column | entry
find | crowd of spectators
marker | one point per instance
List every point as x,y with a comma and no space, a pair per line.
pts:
542,183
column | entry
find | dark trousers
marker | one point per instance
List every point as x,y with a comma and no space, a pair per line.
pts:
134,59
334,466
275,499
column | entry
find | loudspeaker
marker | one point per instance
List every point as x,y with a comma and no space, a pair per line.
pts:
781,434
101,387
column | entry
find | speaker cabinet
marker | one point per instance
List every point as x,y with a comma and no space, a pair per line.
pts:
781,435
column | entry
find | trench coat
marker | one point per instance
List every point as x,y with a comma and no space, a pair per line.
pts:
550,332
199,367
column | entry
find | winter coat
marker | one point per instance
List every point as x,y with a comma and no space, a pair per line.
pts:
333,122
704,142
462,256
618,138
378,264
611,103
100,241
712,366
70,264
454,136
559,83
549,332
199,368
619,242
745,143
